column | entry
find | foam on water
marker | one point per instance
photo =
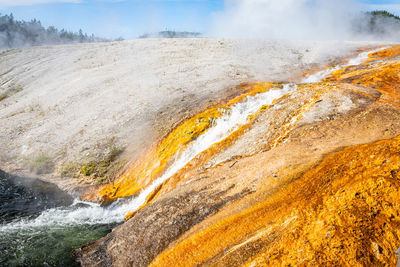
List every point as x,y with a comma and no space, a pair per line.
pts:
90,213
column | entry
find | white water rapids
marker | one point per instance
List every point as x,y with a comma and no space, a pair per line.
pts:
91,213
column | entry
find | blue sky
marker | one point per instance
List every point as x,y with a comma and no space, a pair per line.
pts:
389,5
130,18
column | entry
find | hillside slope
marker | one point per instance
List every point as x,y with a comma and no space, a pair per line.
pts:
310,179
71,110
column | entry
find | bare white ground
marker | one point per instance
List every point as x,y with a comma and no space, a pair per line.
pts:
70,102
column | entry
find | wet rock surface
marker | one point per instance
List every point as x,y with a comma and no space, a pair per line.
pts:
167,219
25,197
311,180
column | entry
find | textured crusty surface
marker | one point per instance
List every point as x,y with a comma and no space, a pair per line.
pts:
73,102
313,180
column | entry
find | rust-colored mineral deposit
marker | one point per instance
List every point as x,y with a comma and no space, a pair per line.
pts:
313,179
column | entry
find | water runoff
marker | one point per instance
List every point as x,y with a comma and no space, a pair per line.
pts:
48,236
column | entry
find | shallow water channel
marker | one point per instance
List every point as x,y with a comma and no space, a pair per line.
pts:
30,235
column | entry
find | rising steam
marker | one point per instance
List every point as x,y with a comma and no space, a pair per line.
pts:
292,19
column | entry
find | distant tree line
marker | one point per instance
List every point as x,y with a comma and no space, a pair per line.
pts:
15,33
377,23
383,13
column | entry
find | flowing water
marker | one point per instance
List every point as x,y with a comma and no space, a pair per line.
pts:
38,230
37,225
320,75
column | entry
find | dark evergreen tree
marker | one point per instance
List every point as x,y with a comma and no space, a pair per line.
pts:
14,33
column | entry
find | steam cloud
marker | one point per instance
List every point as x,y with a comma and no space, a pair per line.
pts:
291,19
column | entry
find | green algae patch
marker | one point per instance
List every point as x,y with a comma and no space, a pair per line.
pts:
101,170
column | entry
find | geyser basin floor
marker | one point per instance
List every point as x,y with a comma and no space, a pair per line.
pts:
80,218
287,191
186,142
72,99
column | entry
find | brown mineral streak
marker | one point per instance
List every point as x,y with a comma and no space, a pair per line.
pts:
338,213
321,168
